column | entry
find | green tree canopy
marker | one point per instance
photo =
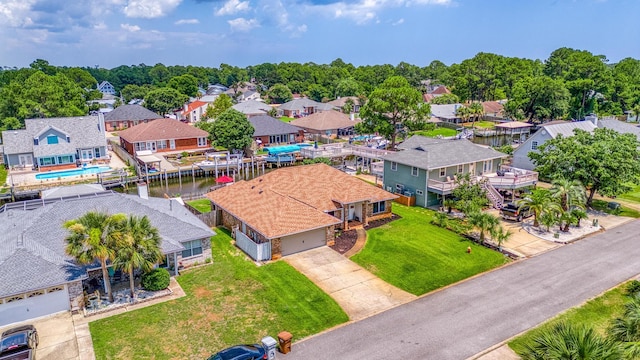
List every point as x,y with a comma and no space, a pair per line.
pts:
221,104
130,92
389,106
605,161
538,98
232,130
163,100
186,84
445,99
279,94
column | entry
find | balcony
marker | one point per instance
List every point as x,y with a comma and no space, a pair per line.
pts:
512,178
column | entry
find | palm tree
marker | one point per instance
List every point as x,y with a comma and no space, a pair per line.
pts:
449,203
484,222
566,342
626,328
138,244
499,235
91,238
578,215
548,219
571,193
476,110
463,113
538,201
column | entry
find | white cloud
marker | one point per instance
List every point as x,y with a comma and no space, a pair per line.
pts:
399,22
232,7
130,28
243,25
364,11
299,30
100,26
187,22
16,12
150,9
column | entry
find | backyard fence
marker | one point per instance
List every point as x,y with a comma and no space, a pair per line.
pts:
258,252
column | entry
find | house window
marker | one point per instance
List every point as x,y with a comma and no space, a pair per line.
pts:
35,141
443,172
202,141
172,144
44,161
378,207
534,145
192,248
161,144
140,146
394,166
419,192
96,151
69,138
414,171
487,166
66,159
52,139
460,168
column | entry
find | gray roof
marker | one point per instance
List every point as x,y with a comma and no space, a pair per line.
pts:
32,252
566,129
84,132
71,190
302,103
621,127
445,111
252,107
427,153
265,125
131,112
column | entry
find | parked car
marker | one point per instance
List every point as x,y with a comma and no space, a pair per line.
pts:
19,343
241,352
512,211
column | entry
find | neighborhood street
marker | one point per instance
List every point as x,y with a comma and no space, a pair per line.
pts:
465,319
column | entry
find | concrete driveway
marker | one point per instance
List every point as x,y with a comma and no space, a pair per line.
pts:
57,337
359,292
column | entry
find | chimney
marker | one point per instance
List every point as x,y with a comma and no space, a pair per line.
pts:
593,118
186,107
143,190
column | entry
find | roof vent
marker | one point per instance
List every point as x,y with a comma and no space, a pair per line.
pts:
252,186
260,192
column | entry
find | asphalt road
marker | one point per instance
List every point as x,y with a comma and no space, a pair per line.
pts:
467,318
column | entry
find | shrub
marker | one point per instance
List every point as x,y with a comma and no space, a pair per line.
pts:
156,279
632,288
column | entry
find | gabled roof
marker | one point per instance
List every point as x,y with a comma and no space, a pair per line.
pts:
161,129
32,254
325,120
194,105
620,126
445,111
294,199
252,107
440,90
339,102
302,103
566,128
131,112
493,108
265,125
83,132
428,153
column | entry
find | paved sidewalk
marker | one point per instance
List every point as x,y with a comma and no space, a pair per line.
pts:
360,293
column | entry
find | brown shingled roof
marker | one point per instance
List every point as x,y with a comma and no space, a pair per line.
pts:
161,129
294,199
325,120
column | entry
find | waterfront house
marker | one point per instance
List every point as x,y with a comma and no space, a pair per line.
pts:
425,170
106,88
56,143
38,278
302,107
329,123
297,208
163,135
126,116
270,131
252,108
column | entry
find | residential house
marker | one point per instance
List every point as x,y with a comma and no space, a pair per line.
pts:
446,112
329,123
546,132
339,103
294,209
216,89
163,135
302,107
493,110
56,143
270,131
620,126
249,95
428,169
192,111
252,108
39,278
126,116
105,87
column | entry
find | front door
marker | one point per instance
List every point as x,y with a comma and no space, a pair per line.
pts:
151,145
26,160
472,169
352,212
86,154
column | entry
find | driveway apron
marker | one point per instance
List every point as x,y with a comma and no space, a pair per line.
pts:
359,292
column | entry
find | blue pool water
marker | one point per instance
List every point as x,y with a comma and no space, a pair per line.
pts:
285,149
75,172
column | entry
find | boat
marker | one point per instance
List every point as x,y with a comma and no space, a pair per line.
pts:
216,161
281,158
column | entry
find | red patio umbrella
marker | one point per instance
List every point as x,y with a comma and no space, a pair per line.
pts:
224,179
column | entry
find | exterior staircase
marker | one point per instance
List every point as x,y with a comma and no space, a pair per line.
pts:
494,196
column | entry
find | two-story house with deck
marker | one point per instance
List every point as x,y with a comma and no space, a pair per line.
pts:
429,168
56,143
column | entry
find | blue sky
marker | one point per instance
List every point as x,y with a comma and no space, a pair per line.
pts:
109,33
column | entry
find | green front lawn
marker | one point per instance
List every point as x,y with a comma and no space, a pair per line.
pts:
286,119
442,131
418,257
601,205
231,301
3,175
202,205
481,124
596,313
633,195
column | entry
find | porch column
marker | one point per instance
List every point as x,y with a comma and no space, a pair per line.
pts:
175,264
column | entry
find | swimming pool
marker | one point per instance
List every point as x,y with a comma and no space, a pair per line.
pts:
274,150
74,172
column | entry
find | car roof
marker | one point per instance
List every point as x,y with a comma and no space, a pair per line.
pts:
235,352
18,329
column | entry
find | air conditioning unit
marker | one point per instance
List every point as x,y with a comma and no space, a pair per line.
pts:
399,188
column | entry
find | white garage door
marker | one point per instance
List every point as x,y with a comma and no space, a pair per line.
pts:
35,306
304,241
